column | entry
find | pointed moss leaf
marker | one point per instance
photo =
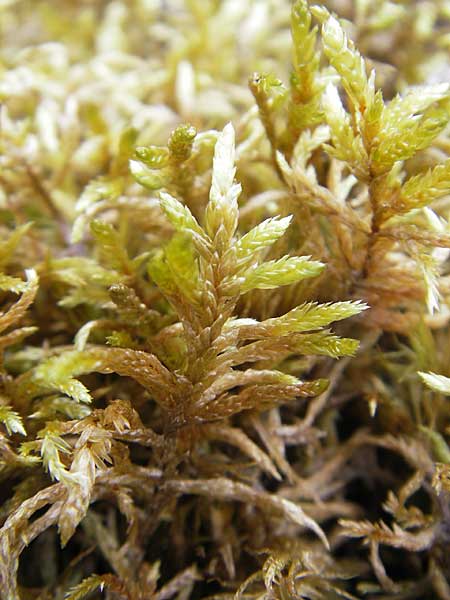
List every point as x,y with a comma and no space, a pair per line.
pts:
285,167
414,134
83,334
347,145
50,408
11,420
237,378
421,190
429,267
82,472
304,110
179,215
284,271
262,236
112,249
88,585
325,343
348,63
15,313
308,142
184,222
438,383
222,209
312,316
303,38
223,163
402,108
59,372
52,446
12,284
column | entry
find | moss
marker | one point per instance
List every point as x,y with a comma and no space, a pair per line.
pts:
224,288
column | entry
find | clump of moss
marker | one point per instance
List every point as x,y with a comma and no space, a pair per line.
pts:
225,293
